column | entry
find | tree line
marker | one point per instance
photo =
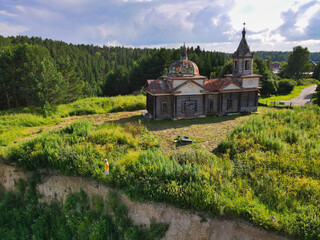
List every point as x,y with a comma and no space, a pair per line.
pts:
34,71
280,56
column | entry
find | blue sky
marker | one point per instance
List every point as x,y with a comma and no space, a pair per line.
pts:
212,24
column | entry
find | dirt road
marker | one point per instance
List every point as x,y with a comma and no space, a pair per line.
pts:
304,97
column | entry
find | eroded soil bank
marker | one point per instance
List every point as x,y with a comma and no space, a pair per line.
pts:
183,224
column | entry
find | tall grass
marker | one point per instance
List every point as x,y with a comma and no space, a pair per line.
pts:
13,126
96,105
15,122
266,170
93,105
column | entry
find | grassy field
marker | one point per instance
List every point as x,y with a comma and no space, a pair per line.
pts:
264,168
18,125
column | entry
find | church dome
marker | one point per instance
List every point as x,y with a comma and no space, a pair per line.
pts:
184,66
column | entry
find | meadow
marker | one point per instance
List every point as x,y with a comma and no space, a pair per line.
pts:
18,124
265,169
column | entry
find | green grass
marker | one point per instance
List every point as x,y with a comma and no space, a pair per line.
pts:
295,93
14,126
98,105
93,105
16,123
266,170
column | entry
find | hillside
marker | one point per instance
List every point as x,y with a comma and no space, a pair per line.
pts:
263,168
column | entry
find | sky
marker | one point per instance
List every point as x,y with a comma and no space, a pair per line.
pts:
272,25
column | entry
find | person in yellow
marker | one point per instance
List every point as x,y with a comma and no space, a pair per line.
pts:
106,167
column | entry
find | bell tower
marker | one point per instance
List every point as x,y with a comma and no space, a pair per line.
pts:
242,58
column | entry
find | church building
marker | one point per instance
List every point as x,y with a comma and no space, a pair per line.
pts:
184,93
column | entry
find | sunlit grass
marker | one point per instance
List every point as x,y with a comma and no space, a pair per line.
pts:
295,93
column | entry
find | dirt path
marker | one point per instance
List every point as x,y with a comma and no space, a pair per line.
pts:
304,97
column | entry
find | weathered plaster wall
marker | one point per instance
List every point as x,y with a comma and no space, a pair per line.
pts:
183,224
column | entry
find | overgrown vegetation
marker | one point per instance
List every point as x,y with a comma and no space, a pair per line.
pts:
298,86
14,124
24,217
266,171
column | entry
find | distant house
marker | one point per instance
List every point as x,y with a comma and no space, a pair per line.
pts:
184,93
276,67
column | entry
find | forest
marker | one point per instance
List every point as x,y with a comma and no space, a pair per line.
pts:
37,72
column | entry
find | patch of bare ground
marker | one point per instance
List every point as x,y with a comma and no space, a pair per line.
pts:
206,132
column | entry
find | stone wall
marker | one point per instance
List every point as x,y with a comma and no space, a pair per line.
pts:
183,224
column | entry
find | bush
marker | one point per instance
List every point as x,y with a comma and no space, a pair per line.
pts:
269,87
23,218
285,86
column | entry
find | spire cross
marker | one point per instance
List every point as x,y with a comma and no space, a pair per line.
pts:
244,30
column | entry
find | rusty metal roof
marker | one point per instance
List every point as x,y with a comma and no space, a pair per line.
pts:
157,86
187,82
219,84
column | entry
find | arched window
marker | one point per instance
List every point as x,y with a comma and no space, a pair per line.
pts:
247,65
235,64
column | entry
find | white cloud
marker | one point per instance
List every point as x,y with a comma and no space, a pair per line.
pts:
212,24
303,19
137,1
5,13
297,20
7,29
71,5
262,14
42,13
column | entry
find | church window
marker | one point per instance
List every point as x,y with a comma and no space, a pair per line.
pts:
229,104
164,107
191,68
247,65
195,106
189,106
183,106
211,105
235,64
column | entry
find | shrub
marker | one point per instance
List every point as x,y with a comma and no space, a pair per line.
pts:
269,87
22,217
285,86
114,134
80,129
